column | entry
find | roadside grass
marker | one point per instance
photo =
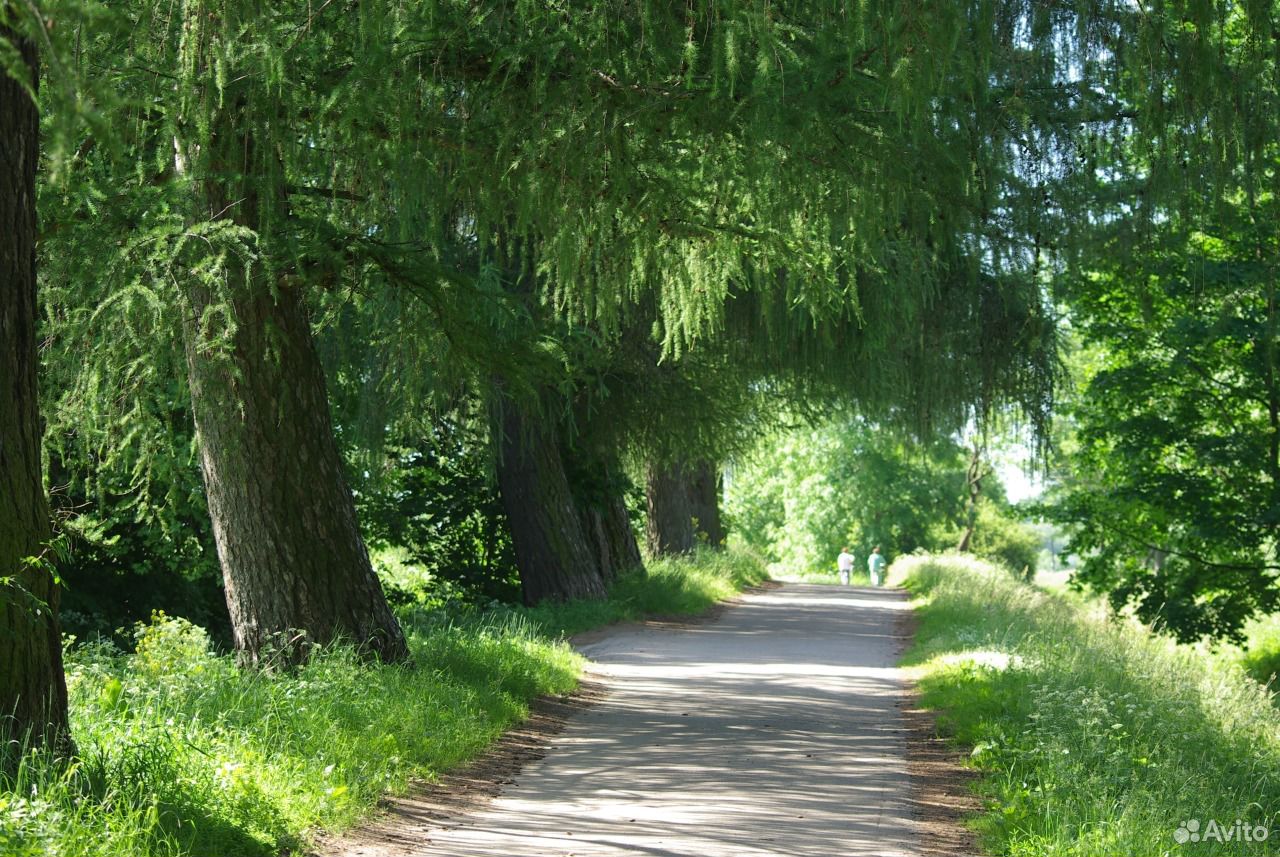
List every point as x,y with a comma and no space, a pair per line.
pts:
675,586
1260,655
1094,736
182,753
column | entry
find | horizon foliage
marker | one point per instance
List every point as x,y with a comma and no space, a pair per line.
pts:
808,490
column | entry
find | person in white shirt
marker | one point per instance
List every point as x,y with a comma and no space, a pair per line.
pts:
844,563
875,565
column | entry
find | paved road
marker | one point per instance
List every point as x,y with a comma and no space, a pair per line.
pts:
771,731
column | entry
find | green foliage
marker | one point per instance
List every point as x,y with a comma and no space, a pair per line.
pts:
804,493
1260,655
1094,736
437,506
1002,539
180,752
1172,473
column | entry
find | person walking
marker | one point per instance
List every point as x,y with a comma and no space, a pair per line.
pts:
844,564
875,565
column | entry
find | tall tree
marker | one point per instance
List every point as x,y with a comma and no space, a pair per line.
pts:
293,559
553,550
669,525
683,501
1169,476
33,694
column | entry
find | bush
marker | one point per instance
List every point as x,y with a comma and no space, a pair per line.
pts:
1002,539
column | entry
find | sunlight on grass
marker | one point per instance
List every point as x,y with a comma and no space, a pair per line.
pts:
182,753
1094,736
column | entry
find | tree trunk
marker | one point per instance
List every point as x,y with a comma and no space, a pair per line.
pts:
293,561
598,490
33,692
553,553
704,501
669,523
976,472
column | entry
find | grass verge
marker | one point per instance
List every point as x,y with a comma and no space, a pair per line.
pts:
1094,737
181,753
676,586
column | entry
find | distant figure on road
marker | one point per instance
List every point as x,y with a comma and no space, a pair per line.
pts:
875,565
844,563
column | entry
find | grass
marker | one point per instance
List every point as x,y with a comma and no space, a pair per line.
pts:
1094,736
676,586
181,753
1260,656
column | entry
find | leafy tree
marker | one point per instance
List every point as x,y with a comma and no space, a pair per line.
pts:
808,491
1169,478
1171,482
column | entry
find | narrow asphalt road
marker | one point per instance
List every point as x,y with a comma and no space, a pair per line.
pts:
772,730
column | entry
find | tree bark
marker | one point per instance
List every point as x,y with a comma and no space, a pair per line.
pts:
33,692
669,523
553,552
598,491
704,501
976,472
294,563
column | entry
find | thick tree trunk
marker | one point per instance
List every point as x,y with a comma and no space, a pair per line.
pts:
33,693
613,543
292,557
597,487
293,561
704,501
669,523
552,551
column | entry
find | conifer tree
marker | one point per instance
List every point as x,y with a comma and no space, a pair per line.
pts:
294,563
33,695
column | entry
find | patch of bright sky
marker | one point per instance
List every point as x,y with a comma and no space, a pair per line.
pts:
1020,479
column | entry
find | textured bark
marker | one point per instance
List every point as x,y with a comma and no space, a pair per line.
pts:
597,487
293,561
33,693
669,523
612,540
552,551
704,502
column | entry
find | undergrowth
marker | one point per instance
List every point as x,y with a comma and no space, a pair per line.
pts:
1094,736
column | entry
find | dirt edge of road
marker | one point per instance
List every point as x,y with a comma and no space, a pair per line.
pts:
404,823
942,795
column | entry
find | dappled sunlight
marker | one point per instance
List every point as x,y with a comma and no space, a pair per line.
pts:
773,730
998,661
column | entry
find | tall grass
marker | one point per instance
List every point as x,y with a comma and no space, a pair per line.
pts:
180,752
1094,736
1260,654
